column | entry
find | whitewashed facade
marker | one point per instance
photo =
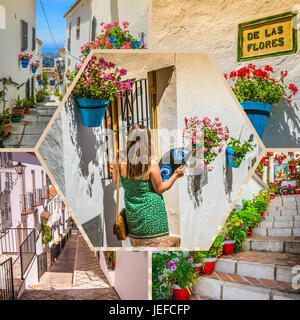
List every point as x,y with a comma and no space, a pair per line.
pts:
18,36
84,17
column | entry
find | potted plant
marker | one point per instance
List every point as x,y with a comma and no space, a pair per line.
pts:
5,122
113,36
257,90
34,66
40,80
250,216
234,233
100,83
236,151
19,109
182,277
212,255
207,137
198,258
46,233
24,58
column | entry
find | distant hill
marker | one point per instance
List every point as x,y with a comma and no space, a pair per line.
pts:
48,58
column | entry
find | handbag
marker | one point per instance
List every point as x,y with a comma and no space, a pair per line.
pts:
120,228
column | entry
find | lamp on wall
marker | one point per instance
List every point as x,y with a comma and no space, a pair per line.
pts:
19,168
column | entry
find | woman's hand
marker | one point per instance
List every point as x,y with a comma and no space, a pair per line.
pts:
179,172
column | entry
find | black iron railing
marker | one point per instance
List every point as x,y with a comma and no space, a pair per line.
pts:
37,197
134,108
26,203
42,264
45,192
12,238
6,280
27,252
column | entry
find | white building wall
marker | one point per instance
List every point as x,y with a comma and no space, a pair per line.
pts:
135,12
213,26
10,39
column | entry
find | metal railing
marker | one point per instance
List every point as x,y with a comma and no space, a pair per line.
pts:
134,108
37,197
42,264
45,194
11,239
26,203
27,252
6,280
56,248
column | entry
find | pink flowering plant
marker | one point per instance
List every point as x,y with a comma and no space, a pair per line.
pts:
34,65
113,36
102,80
208,137
24,56
169,269
259,84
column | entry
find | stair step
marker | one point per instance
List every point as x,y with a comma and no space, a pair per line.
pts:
288,223
267,265
224,286
283,213
277,231
273,244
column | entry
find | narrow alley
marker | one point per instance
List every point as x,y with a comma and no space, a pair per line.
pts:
27,133
76,275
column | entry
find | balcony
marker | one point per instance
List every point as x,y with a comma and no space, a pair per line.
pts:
26,203
37,197
45,194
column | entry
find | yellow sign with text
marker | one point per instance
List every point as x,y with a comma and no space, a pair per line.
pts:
268,37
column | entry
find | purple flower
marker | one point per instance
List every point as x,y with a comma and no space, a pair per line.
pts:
190,260
171,264
176,259
242,224
263,218
173,268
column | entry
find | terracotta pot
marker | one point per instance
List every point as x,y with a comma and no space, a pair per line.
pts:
297,191
228,247
27,111
209,265
7,129
292,192
19,111
285,192
181,294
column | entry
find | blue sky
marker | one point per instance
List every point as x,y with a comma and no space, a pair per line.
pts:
55,10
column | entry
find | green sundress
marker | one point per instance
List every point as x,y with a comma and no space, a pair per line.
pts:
145,209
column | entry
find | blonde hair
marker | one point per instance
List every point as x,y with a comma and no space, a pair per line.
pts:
138,151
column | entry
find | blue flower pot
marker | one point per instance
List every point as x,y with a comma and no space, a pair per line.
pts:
25,63
92,111
258,113
33,70
231,158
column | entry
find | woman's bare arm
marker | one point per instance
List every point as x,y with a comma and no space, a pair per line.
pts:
158,185
114,172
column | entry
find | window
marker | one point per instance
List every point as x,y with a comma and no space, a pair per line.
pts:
69,39
94,27
78,29
24,35
33,39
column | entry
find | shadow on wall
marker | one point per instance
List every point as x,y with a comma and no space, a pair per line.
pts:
109,210
94,230
283,126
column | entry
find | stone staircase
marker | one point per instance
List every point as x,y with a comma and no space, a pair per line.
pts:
263,271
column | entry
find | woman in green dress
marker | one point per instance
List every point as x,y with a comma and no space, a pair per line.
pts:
143,188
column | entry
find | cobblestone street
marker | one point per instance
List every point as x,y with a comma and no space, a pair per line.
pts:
76,275
27,133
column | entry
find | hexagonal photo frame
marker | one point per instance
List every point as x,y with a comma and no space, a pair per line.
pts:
167,87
